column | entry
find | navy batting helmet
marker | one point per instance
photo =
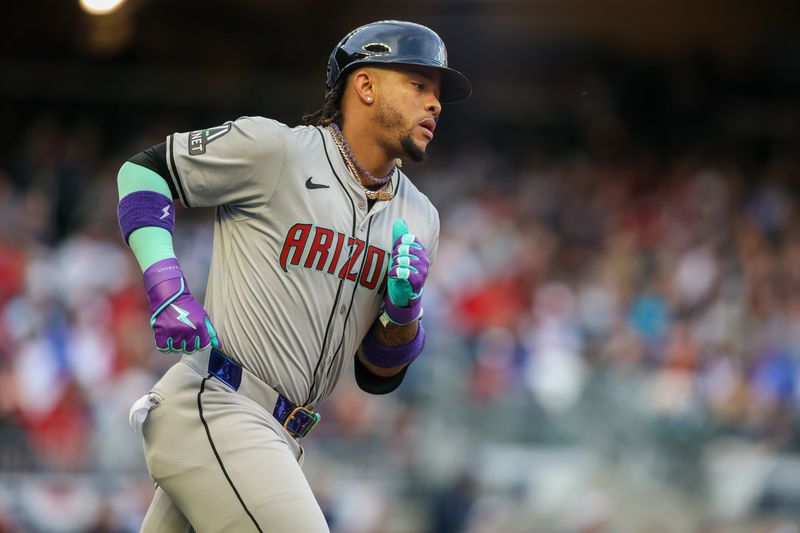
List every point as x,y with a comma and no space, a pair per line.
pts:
401,43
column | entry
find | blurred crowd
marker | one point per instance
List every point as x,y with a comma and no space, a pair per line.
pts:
636,306
687,269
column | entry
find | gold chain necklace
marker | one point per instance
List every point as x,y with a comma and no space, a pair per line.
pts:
381,194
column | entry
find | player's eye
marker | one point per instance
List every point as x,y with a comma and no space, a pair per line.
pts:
418,85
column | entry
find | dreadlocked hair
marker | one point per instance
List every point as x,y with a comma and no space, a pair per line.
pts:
330,111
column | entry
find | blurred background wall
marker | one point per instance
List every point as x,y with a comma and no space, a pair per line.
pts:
614,314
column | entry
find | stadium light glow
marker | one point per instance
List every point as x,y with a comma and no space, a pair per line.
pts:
101,7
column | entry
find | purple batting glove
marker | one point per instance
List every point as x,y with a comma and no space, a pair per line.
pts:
180,324
407,273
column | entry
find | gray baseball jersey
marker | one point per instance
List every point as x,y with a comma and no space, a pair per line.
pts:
299,259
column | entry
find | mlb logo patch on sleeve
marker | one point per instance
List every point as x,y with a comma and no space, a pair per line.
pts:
200,138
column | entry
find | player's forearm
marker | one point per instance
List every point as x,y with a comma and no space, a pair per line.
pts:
391,335
394,334
387,349
378,371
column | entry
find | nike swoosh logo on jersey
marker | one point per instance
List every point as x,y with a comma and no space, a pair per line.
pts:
312,185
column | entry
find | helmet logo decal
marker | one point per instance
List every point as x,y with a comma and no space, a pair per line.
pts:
441,56
377,48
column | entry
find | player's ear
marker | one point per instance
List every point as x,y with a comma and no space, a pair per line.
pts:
364,81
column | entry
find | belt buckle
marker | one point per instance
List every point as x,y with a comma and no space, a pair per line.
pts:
311,420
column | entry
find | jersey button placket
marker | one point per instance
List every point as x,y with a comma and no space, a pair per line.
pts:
342,309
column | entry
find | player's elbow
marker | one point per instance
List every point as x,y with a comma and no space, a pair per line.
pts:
374,384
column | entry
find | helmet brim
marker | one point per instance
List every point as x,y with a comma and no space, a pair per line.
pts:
455,86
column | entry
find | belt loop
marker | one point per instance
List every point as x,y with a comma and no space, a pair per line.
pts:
225,369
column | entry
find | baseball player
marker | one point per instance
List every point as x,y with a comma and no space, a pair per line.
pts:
321,248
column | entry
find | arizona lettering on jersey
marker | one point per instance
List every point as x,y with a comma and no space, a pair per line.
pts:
323,247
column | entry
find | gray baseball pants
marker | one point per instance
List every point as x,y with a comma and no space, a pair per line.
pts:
220,460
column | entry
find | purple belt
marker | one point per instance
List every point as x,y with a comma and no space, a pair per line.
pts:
296,419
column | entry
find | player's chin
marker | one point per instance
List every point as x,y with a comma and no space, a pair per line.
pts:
415,150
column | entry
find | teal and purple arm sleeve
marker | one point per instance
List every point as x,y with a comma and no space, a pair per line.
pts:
146,214
146,218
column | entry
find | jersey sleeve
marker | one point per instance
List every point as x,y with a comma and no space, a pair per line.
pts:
432,243
238,163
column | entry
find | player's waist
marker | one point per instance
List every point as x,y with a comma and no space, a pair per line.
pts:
297,420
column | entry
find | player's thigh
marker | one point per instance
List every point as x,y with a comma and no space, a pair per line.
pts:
163,516
260,469
224,466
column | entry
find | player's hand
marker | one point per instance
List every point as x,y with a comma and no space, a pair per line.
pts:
180,324
407,272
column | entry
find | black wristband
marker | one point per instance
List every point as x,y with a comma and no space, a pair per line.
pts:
374,384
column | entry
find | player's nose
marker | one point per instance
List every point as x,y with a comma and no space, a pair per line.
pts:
434,106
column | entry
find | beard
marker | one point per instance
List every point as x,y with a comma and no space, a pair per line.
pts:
414,152
391,119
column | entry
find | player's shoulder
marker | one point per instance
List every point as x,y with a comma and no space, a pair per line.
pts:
293,139
259,123
415,200
410,192
273,124
298,136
